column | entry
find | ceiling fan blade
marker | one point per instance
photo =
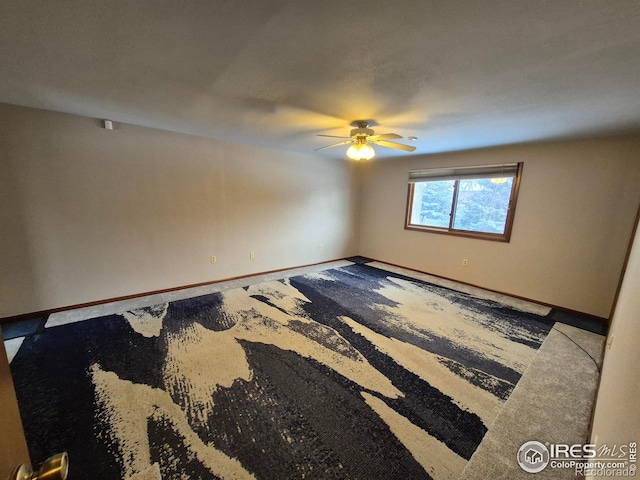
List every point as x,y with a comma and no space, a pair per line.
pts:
397,146
331,136
335,144
386,136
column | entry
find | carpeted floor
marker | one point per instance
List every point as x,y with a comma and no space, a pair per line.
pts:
358,371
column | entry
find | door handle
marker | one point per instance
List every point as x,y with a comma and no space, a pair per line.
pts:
53,468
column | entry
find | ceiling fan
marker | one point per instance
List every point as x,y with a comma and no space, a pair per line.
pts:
361,138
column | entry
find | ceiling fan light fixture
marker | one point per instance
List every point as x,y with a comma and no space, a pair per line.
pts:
361,150
362,140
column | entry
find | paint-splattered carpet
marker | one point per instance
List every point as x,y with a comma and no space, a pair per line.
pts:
351,373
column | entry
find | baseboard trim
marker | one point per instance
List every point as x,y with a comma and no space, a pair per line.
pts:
357,259
44,313
577,313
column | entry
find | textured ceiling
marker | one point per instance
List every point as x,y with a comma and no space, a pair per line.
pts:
455,74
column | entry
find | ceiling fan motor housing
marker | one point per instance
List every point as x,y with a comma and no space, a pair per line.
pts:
361,132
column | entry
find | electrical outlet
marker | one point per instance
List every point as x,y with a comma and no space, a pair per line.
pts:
252,255
213,259
465,262
320,246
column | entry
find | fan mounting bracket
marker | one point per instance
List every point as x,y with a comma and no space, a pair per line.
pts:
364,123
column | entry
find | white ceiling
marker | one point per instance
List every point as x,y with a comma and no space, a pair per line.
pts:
455,74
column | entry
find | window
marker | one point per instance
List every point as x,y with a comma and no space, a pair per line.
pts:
477,201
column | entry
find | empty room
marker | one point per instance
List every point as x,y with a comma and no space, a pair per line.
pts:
319,240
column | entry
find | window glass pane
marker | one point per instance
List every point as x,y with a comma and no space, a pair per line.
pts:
483,205
432,203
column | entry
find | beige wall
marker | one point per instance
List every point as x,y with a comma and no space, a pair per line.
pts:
573,222
89,214
616,420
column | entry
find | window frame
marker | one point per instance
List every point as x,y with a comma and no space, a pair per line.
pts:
496,237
